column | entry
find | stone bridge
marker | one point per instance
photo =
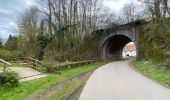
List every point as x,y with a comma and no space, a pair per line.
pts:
113,39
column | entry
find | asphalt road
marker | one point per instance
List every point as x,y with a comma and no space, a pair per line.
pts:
118,81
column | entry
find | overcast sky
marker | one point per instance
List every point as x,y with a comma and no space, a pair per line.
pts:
115,5
10,10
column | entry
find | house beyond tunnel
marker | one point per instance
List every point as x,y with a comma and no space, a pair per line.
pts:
129,51
112,48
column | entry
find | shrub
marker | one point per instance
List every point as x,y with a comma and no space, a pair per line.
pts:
7,54
9,79
46,66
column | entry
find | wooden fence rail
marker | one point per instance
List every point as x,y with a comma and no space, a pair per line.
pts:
34,63
5,64
69,65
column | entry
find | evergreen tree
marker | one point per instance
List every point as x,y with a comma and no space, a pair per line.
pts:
11,43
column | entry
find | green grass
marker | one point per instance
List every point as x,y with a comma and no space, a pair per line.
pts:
76,71
27,89
153,71
67,89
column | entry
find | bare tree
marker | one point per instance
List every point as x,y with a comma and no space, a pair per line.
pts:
158,8
129,12
67,22
28,27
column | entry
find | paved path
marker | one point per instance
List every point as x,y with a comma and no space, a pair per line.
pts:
117,81
27,73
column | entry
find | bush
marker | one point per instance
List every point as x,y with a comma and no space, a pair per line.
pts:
7,54
9,79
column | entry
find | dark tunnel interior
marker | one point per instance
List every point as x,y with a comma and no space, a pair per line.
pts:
114,46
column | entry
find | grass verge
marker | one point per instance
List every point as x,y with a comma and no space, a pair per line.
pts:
26,89
154,71
67,89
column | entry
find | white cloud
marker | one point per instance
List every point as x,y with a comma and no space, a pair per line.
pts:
13,24
29,2
7,29
117,5
9,12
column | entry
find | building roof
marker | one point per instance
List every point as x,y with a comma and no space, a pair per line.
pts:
130,47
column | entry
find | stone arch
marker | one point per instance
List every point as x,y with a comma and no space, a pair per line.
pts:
113,45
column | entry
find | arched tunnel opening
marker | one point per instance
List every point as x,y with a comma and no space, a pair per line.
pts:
112,48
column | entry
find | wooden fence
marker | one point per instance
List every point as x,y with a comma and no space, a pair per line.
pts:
69,65
34,63
5,64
